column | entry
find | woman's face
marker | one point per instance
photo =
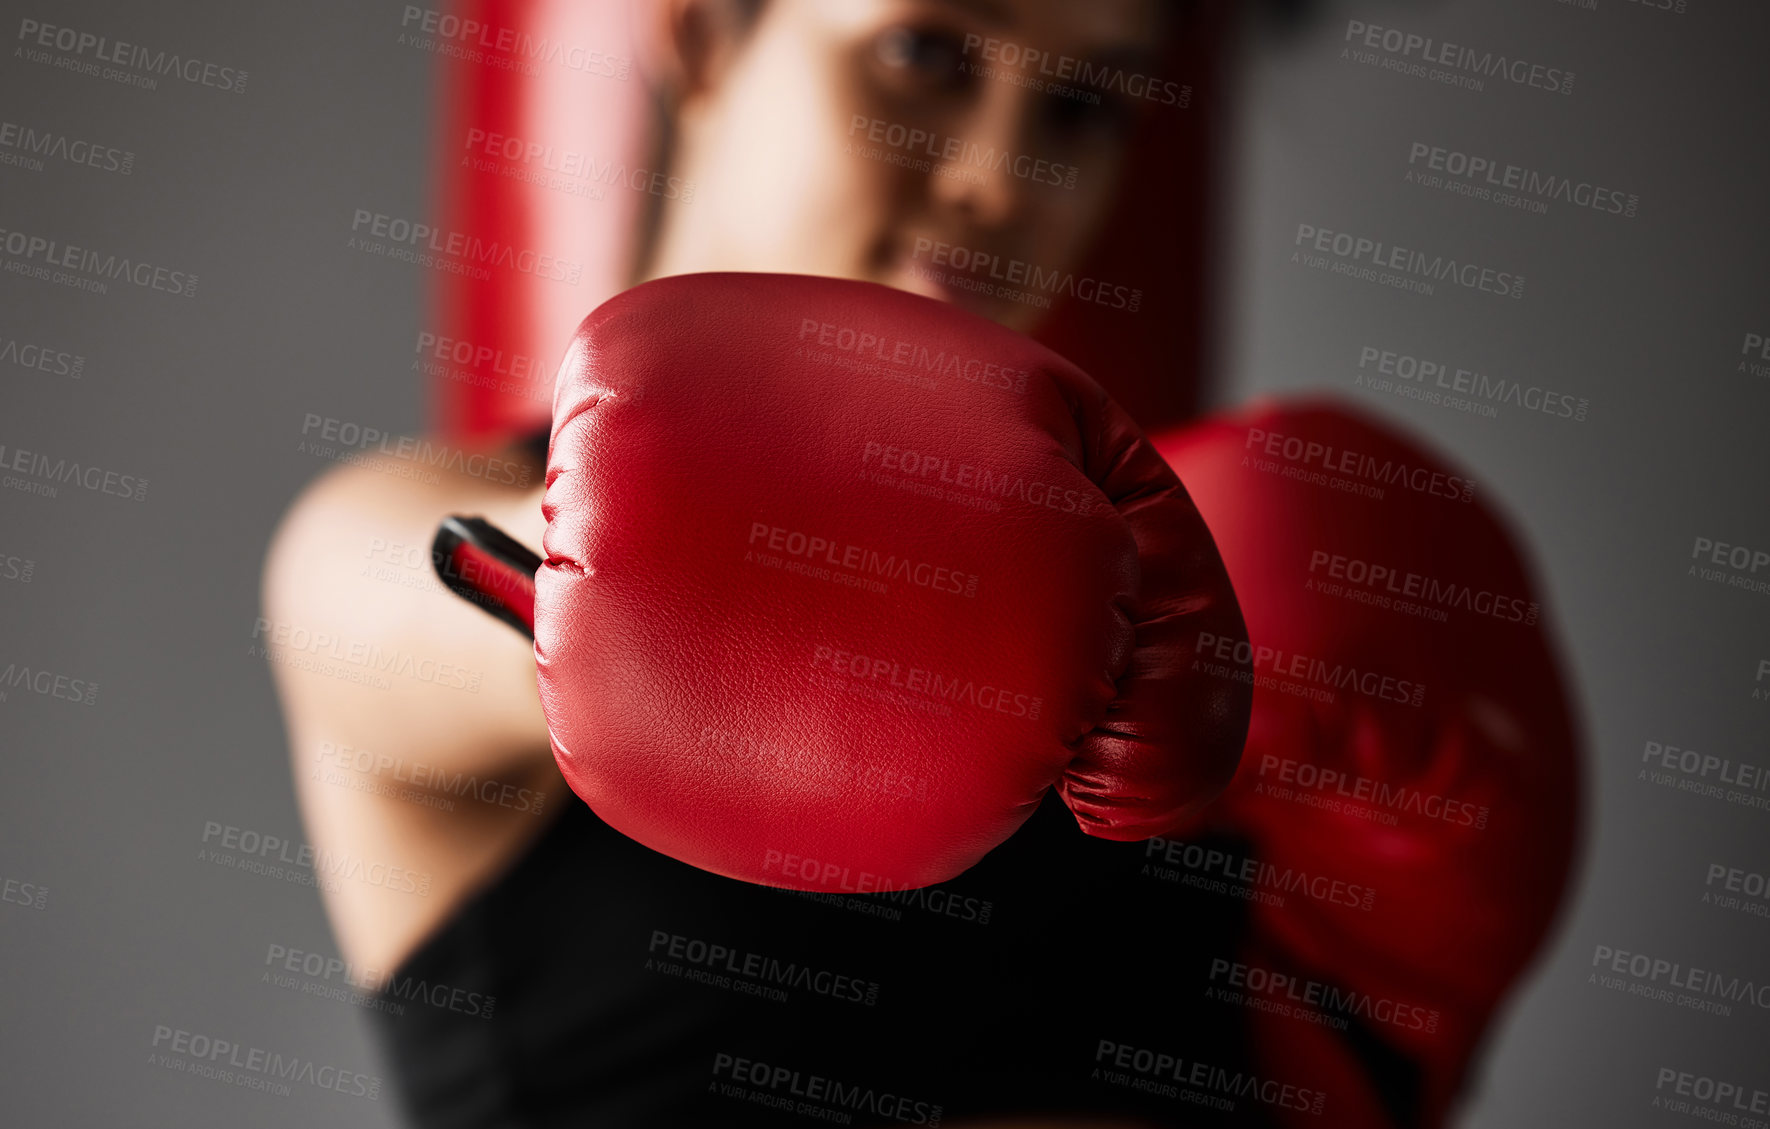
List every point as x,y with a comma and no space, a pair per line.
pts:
917,143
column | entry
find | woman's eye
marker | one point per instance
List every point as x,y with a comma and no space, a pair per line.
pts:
927,56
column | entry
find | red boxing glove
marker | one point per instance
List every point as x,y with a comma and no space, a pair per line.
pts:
1410,788
840,580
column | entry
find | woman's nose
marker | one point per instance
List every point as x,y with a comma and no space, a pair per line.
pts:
987,178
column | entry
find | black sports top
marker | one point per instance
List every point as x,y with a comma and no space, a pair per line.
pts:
599,983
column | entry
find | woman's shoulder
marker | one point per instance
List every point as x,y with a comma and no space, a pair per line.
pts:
357,620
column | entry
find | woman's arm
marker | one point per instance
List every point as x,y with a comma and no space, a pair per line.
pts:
393,688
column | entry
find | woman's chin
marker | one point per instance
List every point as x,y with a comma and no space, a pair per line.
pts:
980,296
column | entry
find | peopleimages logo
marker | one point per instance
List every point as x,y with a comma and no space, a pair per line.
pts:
732,747
1256,665
1324,464
86,269
1235,982
242,848
39,38
1697,989
1735,1097
31,895
1421,56
1325,787
1670,7
526,159
774,974
1212,867
1373,260
508,48
237,1064
331,437
1705,774
922,143
1757,350
482,357
30,146
1090,77
861,560
983,268
1735,565
885,464
932,686
41,358
330,977
382,773
47,684
34,473
1385,581
365,662
792,1090
1735,888
1469,390
455,252
1152,1071
913,355
16,568
1517,186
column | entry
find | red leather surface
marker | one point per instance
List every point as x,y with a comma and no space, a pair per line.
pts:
1459,815
839,580
537,155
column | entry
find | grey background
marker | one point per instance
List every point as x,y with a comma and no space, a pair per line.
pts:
155,600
